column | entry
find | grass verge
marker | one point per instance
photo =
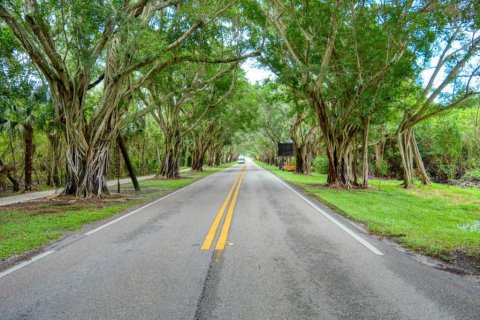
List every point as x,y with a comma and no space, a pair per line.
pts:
437,220
30,225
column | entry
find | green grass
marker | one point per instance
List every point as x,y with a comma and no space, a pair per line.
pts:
27,227
436,220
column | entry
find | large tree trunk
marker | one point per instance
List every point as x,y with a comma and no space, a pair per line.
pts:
86,144
338,145
171,161
302,165
217,156
128,163
340,157
198,158
86,173
88,141
409,153
298,160
422,173
198,149
28,136
211,158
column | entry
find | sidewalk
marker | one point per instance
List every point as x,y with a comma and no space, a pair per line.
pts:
44,194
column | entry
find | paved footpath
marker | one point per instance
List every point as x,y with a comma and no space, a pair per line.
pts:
238,244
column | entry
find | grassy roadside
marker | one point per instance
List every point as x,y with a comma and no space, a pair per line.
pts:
30,225
437,220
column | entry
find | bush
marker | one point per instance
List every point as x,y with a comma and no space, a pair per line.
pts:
473,175
469,179
321,165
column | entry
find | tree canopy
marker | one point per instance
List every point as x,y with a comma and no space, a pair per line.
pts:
356,83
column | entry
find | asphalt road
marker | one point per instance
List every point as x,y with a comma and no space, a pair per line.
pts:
282,259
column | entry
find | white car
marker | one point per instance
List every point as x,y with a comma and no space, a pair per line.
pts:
241,160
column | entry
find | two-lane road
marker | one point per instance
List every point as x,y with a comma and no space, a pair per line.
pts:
239,244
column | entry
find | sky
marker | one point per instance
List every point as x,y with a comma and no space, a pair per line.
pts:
255,73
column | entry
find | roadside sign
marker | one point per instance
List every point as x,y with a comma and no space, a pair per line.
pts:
285,150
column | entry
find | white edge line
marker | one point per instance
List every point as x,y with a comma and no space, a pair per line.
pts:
25,263
42,255
329,217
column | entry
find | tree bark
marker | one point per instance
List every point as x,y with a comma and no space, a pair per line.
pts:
298,160
339,165
211,158
28,137
366,128
339,154
86,173
217,157
198,156
338,145
187,156
171,161
54,141
379,153
118,170
15,184
128,163
410,153
13,181
10,142
421,172
202,141
405,148
302,165
304,141
355,167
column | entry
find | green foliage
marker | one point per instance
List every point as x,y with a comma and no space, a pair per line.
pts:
321,165
472,175
449,144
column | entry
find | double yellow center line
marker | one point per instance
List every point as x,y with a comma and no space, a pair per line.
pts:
222,239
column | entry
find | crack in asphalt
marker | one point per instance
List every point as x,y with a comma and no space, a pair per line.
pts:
208,298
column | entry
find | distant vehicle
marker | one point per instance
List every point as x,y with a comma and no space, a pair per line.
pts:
241,160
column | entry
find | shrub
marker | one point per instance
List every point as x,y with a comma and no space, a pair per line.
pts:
321,165
473,175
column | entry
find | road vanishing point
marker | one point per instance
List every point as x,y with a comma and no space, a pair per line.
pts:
239,244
